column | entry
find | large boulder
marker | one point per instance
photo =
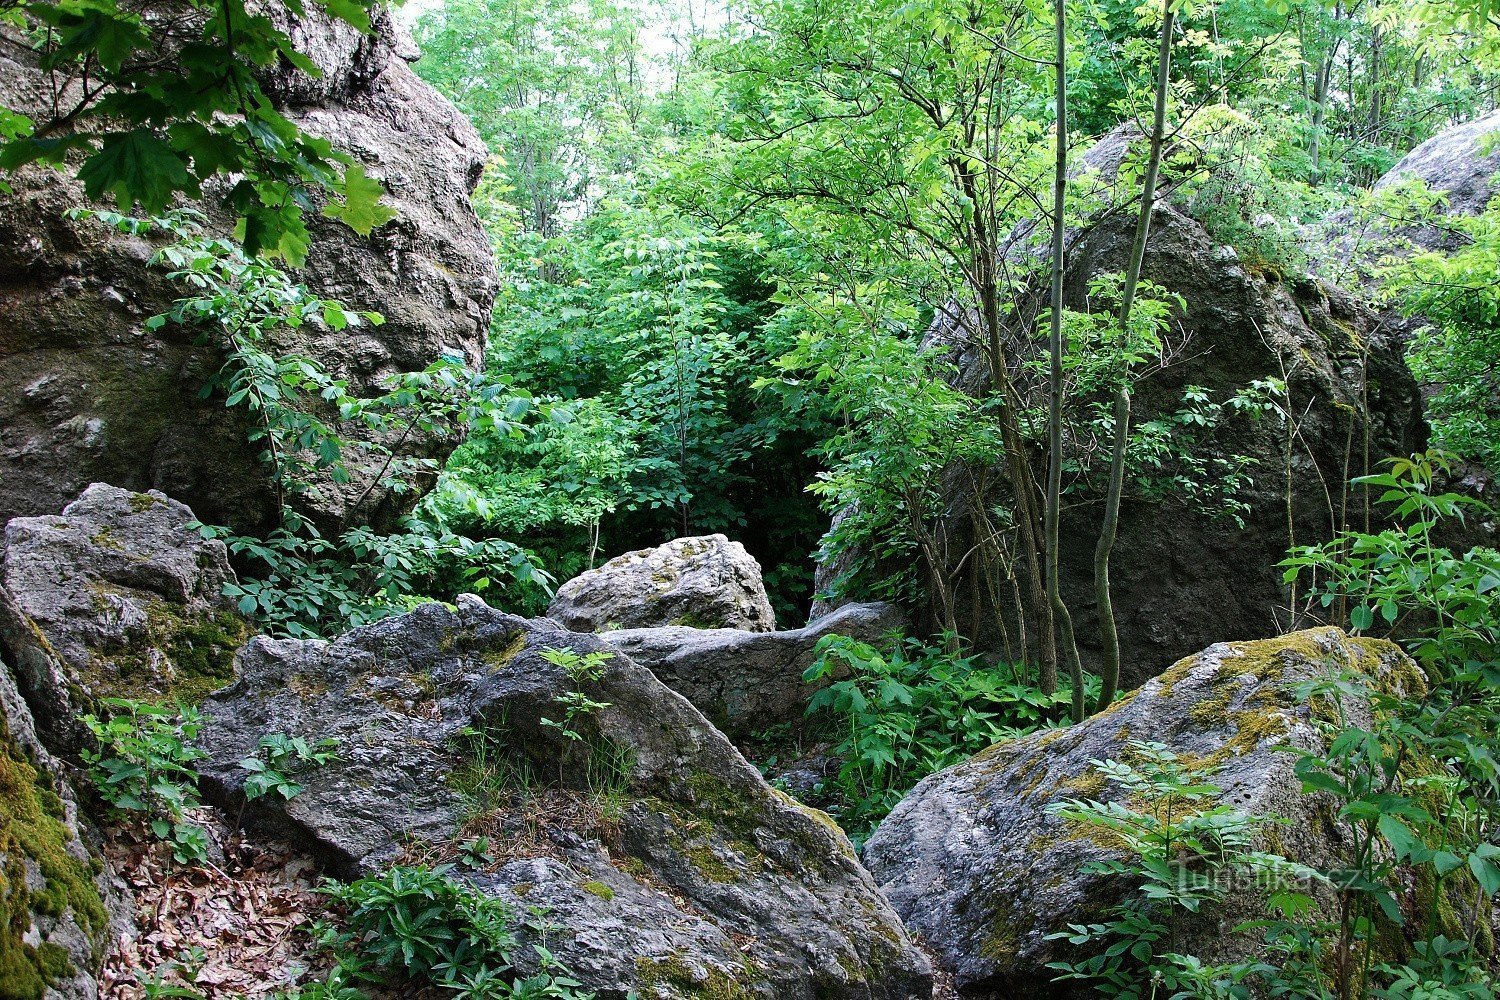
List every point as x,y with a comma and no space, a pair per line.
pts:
1350,402
669,864
746,682
700,582
982,873
88,393
116,596
59,907
1461,162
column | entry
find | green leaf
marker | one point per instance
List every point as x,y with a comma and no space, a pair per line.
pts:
1399,836
135,167
359,203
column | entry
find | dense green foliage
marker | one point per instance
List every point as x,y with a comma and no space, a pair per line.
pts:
899,714
721,246
143,765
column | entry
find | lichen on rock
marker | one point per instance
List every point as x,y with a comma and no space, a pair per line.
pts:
979,868
118,596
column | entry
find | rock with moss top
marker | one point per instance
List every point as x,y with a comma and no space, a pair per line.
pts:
59,908
668,865
983,874
747,682
116,596
700,582
1460,163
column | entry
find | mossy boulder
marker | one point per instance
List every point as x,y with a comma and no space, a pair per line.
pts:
983,874
116,597
670,867
58,908
702,582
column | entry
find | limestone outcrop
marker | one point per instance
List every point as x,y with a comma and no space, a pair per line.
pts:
667,863
701,582
746,682
979,869
116,596
88,393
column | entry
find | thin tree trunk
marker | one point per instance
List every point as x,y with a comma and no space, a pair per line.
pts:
1109,633
1018,461
1053,505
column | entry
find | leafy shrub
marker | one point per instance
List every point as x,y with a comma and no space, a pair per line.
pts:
304,585
606,763
277,757
429,927
143,764
905,712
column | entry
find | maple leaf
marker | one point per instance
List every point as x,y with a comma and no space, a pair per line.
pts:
359,204
135,166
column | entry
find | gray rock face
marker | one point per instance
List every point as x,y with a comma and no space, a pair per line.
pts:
704,582
60,914
1347,382
671,866
745,682
88,394
1455,162
115,596
982,873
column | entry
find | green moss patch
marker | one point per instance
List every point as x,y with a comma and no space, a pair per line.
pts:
182,656
671,977
599,890
33,827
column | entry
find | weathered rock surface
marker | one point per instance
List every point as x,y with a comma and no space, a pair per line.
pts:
702,582
1455,162
671,866
59,907
116,596
1353,399
88,394
746,682
980,871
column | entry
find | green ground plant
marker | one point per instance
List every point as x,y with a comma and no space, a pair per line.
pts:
422,925
278,757
143,766
907,709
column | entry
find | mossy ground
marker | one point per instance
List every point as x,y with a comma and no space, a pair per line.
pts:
33,827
